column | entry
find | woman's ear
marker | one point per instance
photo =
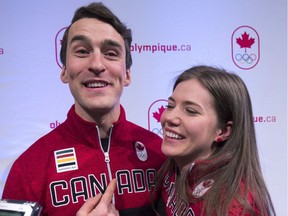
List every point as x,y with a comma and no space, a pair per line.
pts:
225,132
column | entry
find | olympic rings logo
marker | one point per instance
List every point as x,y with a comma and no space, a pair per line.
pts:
249,59
245,44
158,131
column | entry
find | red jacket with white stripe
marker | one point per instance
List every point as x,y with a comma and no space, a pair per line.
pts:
168,202
68,165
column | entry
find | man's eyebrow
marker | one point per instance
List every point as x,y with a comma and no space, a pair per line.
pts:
113,43
80,38
107,42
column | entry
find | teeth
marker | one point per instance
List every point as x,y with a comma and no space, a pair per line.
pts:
96,85
173,135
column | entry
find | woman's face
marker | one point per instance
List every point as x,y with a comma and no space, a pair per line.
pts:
190,123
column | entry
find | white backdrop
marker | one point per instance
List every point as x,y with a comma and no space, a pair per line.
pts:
180,34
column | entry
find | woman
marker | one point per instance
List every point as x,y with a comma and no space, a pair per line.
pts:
209,137
213,166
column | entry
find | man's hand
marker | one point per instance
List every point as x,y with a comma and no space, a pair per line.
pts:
100,205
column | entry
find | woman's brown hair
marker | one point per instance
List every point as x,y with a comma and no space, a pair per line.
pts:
238,155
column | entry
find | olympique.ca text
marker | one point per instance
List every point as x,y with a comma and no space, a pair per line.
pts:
159,48
262,119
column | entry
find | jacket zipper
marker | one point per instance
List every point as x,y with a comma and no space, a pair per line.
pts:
106,155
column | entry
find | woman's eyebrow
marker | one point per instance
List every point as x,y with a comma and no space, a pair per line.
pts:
186,102
171,99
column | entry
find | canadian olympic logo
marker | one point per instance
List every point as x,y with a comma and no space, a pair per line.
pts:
58,44
245,43
154,114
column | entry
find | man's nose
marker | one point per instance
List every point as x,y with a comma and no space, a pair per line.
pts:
96,63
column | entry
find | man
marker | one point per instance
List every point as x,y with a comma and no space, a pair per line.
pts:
96,143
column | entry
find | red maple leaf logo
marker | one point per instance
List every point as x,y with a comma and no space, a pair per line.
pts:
157,115
245,41
139,147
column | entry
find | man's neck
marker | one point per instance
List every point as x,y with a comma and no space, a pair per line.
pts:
103,118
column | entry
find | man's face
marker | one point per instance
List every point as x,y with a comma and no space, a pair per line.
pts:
95,67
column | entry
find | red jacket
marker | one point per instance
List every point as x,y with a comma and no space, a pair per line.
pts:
66,166
167,203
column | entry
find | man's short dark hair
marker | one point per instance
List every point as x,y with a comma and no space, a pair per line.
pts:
101,12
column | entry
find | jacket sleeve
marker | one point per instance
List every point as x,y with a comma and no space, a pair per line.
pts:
17,185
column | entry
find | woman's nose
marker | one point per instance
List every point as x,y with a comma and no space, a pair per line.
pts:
170,117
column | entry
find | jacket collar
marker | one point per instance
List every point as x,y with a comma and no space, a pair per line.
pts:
85,131
204,168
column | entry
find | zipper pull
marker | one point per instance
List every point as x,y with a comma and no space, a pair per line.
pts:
107,159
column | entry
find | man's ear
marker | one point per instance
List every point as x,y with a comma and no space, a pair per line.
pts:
224,132
127,79
63,75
